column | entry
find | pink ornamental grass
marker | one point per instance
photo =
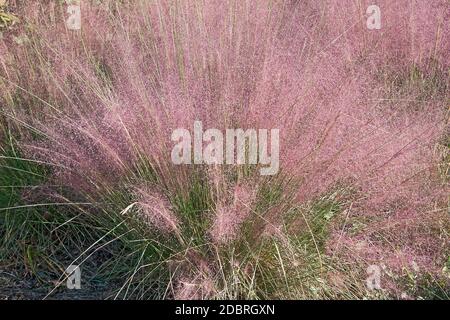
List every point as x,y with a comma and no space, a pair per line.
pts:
229,217
311,69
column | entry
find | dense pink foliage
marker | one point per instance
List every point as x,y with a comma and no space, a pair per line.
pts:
156,210
230,216
310,68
